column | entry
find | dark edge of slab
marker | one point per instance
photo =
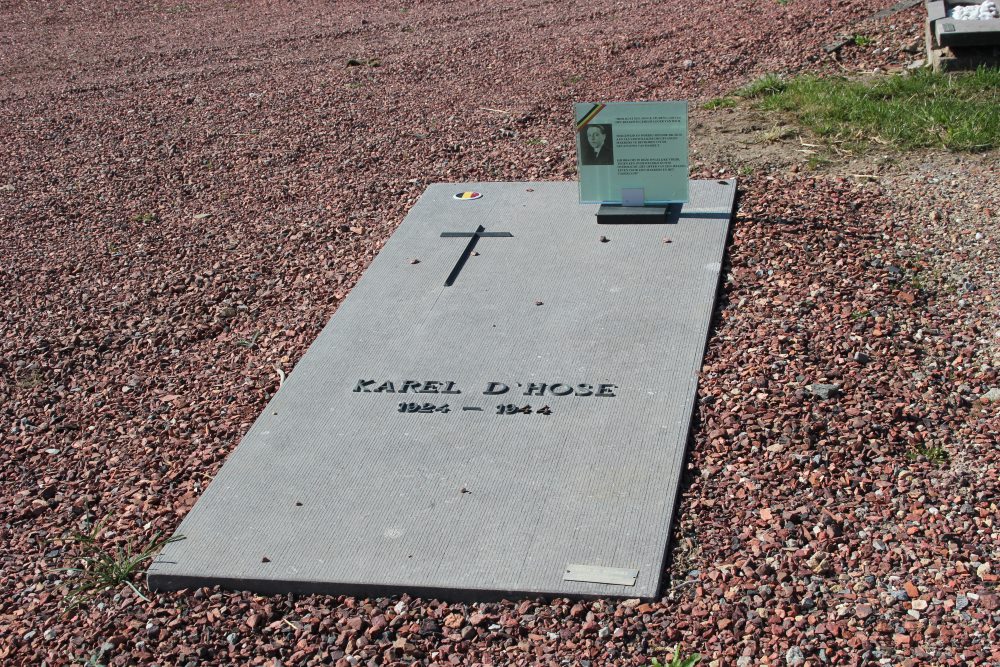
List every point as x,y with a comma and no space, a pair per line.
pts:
689,419
361,590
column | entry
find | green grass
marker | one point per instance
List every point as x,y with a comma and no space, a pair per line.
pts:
721,103
923,109
862,40
935,455
777,134
677,660
250,342
816,162
102,569
770,84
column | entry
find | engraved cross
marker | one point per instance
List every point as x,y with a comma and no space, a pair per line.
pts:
473,239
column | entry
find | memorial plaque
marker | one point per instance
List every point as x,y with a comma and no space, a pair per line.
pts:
507,415
632,154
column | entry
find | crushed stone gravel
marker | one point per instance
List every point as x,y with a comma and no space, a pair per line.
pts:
189,190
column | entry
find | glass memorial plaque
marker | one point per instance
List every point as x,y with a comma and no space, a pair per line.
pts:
632,153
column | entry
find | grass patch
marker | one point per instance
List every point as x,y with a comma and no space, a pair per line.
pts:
771,84
677,660
777,134
935,455
102,569
959,112
251,342
721,103
817,162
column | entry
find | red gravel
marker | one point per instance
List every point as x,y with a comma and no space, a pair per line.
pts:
189,190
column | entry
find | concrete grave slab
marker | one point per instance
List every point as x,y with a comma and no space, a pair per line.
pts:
519,431
949,32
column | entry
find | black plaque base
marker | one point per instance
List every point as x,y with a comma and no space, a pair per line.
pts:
637,215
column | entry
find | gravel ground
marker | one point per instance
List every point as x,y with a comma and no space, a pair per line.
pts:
188,191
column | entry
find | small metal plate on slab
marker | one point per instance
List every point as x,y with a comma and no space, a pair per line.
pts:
595,574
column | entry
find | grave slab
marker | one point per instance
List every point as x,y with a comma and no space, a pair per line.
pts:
518,431
949,32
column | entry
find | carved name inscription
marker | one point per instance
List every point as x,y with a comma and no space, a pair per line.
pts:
582,389
491,389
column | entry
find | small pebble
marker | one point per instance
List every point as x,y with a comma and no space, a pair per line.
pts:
794,657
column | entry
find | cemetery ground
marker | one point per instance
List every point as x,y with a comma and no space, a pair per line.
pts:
189,190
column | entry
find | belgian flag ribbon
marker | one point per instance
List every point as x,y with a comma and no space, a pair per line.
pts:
589,116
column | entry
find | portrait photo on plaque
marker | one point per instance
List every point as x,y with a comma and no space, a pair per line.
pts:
624,148
596,145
